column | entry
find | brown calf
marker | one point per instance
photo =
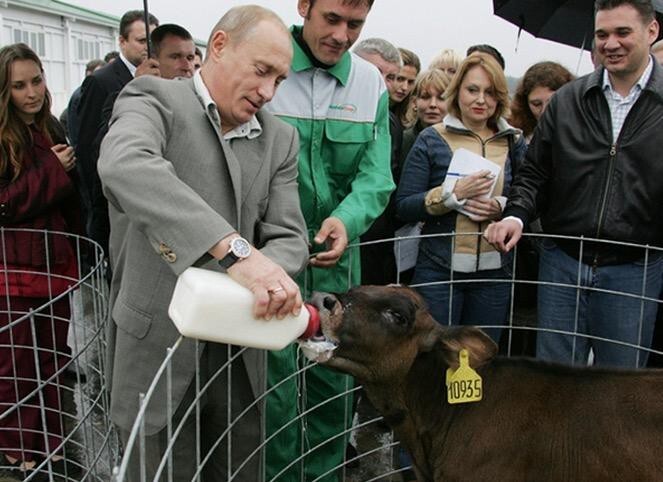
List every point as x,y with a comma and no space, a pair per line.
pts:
536,421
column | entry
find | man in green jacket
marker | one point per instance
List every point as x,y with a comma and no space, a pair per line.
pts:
339,104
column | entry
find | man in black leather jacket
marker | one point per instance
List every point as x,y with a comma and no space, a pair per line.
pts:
594,169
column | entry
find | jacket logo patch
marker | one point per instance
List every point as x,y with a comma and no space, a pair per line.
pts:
344,107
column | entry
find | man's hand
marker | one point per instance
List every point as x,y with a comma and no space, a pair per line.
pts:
148,67
65,155
482,209
506,231
276,294
333,233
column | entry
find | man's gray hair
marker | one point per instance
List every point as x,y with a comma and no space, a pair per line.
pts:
379,46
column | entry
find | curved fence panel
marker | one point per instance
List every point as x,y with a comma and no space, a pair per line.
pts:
54,422
370,451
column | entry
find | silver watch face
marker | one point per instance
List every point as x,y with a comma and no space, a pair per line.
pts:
240,247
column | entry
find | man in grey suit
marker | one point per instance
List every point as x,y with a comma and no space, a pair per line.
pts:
197,175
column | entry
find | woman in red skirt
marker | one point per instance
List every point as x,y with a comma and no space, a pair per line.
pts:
37,200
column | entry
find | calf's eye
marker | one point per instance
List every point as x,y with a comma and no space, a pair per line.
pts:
394,317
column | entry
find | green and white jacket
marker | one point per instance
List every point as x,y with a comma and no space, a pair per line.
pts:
342,116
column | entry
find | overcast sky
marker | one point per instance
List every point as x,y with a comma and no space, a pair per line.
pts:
424,26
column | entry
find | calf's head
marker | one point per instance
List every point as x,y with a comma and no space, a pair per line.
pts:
380,330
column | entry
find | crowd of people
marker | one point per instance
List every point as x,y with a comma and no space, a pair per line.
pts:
273,155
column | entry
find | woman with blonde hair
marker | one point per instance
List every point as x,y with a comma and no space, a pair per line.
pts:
428,106
37,197
447,61
477,102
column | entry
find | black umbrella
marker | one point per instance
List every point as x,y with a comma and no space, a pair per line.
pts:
569,22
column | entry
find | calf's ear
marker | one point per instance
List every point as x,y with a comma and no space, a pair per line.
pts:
480,346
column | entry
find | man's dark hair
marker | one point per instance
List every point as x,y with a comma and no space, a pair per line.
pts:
130,17
487,49
110,56
643,7
92,65
162,31
352,3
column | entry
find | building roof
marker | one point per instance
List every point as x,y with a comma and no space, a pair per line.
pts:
58,7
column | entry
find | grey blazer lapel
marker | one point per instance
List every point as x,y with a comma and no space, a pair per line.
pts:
252,163
234,168
235,175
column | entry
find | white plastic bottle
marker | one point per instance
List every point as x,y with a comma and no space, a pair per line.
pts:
212,306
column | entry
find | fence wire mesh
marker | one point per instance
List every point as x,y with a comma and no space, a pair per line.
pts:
54,423
371,448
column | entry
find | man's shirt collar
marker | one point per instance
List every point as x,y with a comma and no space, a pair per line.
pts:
250,129
301,61
129,65
639,85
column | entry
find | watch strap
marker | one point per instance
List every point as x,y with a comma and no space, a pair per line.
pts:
228,260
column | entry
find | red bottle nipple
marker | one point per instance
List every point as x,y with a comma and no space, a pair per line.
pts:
313,322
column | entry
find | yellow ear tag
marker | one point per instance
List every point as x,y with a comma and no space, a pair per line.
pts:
464,385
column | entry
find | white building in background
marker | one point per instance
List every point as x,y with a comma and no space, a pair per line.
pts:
64,36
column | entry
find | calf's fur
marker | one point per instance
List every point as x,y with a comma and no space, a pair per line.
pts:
537,421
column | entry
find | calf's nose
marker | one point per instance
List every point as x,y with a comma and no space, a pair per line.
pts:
323,300
329,302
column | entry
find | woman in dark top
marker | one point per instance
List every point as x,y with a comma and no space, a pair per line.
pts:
400,99
37,195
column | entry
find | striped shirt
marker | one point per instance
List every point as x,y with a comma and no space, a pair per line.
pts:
620,106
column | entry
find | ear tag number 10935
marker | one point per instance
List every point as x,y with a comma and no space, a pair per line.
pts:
464,385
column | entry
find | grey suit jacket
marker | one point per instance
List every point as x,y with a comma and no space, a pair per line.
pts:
175,188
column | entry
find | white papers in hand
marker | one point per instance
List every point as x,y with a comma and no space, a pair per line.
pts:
407,250
463,163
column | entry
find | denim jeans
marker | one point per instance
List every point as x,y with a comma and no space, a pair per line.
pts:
579,308
471,301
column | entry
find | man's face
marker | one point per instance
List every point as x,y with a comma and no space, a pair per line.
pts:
134,46
331,27
243,76
197,62
623,40
388,70
176,57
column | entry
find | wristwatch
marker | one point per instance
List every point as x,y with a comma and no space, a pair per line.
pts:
239,250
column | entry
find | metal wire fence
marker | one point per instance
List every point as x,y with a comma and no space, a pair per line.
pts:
54,422
375,446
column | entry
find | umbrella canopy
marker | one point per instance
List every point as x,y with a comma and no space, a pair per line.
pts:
569,22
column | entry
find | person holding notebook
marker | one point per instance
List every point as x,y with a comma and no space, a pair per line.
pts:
477,102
